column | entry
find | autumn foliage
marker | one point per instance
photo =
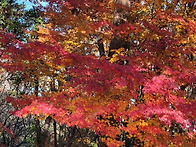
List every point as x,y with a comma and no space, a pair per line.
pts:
119,69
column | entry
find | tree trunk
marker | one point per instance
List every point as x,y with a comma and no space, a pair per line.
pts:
55,134
38,127
120,17
54,89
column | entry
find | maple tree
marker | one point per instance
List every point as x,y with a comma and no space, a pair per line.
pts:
117,68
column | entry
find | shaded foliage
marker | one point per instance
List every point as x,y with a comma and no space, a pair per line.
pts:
17,20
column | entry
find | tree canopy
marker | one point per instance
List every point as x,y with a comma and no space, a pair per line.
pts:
16,19
118,68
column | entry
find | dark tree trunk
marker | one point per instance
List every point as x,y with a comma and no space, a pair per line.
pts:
101,48
39,134
55,133
120,17
54,89
38,127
